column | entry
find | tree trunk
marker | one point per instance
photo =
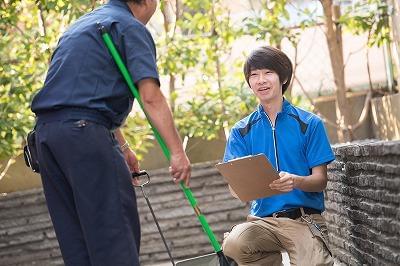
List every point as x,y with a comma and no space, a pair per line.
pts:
168,20
335,46
171,92
218,70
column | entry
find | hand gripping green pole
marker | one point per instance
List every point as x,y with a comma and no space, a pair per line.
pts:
188,192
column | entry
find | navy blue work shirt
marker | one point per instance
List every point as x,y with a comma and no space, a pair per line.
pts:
83,74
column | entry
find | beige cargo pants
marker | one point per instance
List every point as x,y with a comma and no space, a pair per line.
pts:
260,241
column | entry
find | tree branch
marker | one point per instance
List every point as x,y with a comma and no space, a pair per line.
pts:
351,54
177,16
364,112
8,165
367,102
42,19
93,4
316,110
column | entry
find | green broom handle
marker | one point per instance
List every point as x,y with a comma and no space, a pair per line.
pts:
188,192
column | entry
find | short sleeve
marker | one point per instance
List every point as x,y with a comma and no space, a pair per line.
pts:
318,149
235,146
140,53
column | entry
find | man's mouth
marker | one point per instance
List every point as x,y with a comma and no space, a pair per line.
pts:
264,88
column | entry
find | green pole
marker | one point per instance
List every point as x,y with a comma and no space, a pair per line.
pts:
188,192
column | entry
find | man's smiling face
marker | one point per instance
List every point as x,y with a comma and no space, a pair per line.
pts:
265,85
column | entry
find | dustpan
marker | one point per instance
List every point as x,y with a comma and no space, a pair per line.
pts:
213,259
205,260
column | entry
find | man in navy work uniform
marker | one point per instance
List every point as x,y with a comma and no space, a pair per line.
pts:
85,162
296,144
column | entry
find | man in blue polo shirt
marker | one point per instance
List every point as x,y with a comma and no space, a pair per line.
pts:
85,162
296,144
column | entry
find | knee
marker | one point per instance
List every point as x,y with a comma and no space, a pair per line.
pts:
238,241
231,247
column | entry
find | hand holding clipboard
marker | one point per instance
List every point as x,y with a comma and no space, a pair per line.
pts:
250,176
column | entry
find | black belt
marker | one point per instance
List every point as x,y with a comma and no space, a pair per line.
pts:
294,213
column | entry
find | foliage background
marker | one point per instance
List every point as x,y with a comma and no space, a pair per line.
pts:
194,40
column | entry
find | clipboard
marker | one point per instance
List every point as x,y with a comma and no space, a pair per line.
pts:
249,176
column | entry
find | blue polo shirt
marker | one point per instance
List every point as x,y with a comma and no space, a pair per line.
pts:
82,73
301,143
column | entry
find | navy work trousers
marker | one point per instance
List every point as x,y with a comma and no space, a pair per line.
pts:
89,194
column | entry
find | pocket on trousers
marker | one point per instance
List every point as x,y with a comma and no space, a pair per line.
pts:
81,125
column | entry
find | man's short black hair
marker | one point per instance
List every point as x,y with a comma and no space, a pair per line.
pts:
272,59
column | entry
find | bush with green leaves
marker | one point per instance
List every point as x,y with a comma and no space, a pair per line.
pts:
208,91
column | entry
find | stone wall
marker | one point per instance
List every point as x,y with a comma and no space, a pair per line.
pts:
362,200
26,233
27,236
363,203
181,228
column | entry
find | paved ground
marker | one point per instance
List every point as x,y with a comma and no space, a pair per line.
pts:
285,261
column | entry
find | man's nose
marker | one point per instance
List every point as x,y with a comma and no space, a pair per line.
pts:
261,78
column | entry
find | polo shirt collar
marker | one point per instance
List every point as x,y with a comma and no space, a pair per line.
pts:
286,107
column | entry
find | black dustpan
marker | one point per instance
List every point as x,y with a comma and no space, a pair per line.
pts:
213,259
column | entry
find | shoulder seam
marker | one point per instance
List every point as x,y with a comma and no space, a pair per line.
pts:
244,130
303,125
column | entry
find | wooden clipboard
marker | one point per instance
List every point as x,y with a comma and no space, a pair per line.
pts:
249,176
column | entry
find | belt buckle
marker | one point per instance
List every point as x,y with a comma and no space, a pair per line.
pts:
306,217
278,214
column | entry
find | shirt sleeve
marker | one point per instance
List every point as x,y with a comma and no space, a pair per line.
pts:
235,146
318,149
140,53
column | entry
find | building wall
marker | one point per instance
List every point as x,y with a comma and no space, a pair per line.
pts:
326,105
362,201
386,117
395,28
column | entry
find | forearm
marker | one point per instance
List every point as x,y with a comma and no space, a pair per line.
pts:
315,182
161,118
119,136
156,107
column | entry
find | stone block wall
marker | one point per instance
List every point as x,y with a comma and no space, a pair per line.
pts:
27,236
362,201
26,233
181,228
